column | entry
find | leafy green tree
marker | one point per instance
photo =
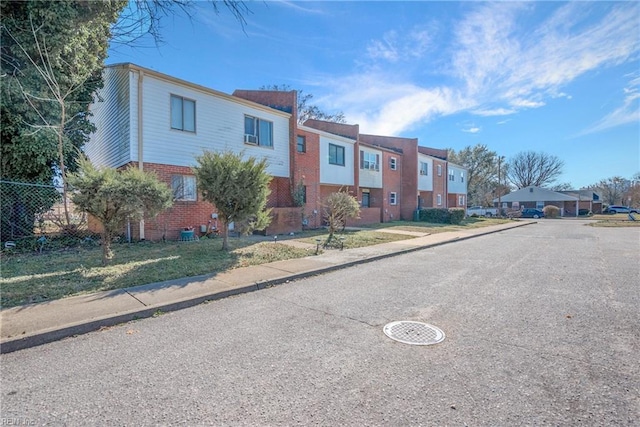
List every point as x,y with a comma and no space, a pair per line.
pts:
338,207
113,197
482,172
52,54
51,60
238,188
306,110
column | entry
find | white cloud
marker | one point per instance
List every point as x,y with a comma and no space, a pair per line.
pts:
471,130
397,46
492,60
384,49
628,112
494,112
380,106
526,103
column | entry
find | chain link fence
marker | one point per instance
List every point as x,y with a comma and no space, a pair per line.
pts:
33,214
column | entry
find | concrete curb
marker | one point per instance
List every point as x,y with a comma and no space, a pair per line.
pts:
47,336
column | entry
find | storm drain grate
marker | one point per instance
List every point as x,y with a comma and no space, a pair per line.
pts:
414,333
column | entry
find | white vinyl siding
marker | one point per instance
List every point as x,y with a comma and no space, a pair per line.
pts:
109,145
458,185
335,173
370,171
220,127
425,181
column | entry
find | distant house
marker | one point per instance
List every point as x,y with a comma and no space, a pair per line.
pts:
569,202
587,199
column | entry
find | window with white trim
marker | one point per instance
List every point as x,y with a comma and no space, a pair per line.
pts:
439,170
258,131
183,114
452,175
393,163
439,199
460,200
461,176
393,198
424,168
184,187
336,155
369,161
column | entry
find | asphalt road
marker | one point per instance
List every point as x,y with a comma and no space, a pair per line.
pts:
542,327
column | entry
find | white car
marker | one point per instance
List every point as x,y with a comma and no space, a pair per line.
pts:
614,209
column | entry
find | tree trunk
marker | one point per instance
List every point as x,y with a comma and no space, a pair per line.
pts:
225,236
63,171
107,254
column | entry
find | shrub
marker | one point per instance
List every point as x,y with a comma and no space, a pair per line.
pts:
434,215
456,215
551,211
442,215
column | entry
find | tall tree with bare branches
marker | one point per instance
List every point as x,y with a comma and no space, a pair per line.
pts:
530,168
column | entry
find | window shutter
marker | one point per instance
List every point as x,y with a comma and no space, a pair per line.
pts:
377,162
361,159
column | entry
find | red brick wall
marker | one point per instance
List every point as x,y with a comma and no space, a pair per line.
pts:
439,183
280,100
391,182
306,171
428,199
280,195
408,170
367,216
285,221
348,131
183,214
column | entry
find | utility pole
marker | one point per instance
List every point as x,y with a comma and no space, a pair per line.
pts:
499,189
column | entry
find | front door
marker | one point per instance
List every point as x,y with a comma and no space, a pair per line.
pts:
365,200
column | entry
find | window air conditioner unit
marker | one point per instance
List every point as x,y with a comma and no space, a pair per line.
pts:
250,139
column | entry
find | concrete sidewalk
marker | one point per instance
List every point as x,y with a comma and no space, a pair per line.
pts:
35,324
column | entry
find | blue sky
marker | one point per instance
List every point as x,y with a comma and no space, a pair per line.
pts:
561,78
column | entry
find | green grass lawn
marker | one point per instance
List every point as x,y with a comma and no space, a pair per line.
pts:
614,220
30,277
34,277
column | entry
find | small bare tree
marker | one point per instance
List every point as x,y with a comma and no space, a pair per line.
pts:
339,207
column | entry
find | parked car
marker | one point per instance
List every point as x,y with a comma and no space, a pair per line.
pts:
614,209
480,211
532,213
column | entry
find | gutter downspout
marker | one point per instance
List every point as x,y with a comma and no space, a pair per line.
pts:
140,142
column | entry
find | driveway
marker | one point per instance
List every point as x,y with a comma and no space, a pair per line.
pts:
542,328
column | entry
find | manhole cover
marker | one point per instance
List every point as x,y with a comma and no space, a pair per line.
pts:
415,333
